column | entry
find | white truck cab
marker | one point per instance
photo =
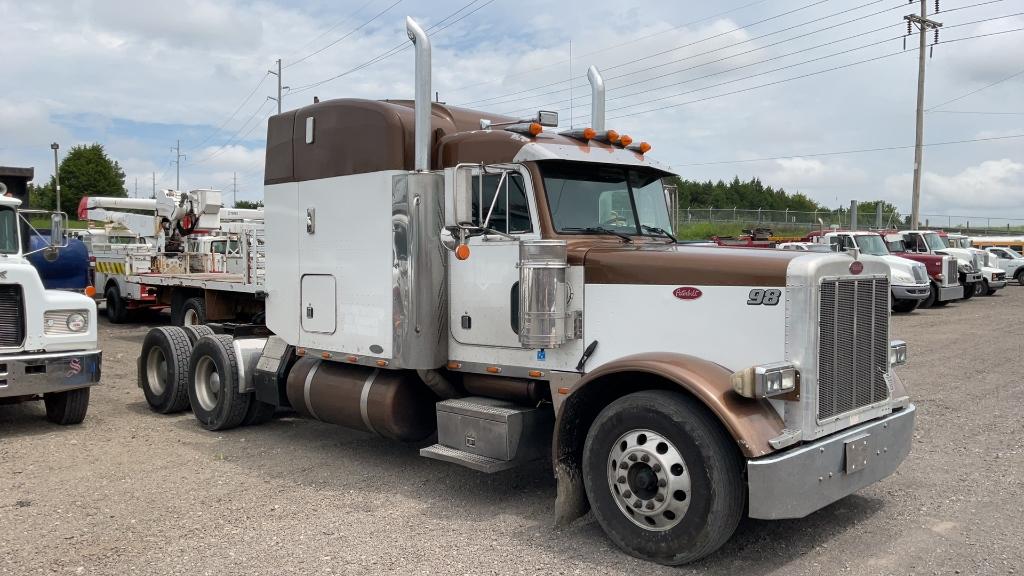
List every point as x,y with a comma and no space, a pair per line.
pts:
909,279
48,339
1010,261
993,277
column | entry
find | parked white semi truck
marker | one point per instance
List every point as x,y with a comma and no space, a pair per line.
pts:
202,260
908,279
48,346
434,270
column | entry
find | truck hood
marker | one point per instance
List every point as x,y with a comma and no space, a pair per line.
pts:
902,268
697,265
37,301
964,256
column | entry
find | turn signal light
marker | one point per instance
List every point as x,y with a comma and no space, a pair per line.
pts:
536,128
626,140
90,291
462,251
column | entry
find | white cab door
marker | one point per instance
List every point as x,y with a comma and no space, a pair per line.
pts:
483,297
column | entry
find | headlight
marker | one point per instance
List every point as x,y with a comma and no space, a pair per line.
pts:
57,322
897,352
902,278
766,380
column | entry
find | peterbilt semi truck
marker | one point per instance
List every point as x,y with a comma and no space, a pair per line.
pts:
944,271
493,291
48,346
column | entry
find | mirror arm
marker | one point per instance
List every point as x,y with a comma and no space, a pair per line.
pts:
494,201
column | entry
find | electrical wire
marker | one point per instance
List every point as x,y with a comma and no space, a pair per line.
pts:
329,29
235,137
845,152
969,112
973,92
346,35
396,49
237,108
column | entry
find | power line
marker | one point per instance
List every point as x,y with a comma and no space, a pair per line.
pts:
840,67
845,152
329,29
607,48
346,35
970,112
396,49
235,137
239,107
972,92
695,42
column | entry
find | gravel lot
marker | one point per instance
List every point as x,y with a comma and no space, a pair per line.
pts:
132,492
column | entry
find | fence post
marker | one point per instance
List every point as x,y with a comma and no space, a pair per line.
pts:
734,214
759,215
711,217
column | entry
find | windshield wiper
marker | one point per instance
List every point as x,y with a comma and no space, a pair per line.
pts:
661,231
597,230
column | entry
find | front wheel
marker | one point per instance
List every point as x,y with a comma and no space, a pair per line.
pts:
1019,276
981,288
68,407
904,306
969,290
933,293
664,480
117,311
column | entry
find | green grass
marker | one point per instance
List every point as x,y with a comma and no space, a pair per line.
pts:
41,223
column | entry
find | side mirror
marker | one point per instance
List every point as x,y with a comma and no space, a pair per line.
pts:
57,239
462,201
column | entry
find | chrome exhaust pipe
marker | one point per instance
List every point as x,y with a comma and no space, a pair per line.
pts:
420,39
596,98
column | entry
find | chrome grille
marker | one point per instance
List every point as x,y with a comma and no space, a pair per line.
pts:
12,316
952,275
853,349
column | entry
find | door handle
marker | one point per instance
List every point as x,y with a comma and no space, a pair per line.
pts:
309,311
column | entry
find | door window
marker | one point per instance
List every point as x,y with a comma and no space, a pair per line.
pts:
507,193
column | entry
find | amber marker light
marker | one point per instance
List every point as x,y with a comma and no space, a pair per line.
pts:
494,370
626,140
589,133
300,351
535,128
462,252
90,291
454,365
645,147
563,390
353,359
382,363
612,136
535,373
325,355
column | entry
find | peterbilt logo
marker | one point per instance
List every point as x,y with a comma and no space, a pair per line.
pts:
856,267
687,293
3,274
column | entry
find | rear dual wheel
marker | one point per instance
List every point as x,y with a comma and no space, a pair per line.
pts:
163,369
214,388
663,478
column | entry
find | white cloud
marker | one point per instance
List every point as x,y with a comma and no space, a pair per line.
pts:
993,188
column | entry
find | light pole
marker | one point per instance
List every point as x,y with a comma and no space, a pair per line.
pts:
56,174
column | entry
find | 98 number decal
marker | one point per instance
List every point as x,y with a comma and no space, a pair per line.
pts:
759,296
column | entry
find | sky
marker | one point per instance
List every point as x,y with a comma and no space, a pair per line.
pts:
768,88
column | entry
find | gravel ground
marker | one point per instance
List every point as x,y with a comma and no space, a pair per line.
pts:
132,492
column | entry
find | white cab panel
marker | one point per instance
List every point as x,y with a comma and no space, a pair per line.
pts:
319,303
480,290
718,326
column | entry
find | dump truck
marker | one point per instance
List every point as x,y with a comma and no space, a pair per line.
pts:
494,292
48,344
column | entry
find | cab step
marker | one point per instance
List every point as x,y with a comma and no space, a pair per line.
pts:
490,435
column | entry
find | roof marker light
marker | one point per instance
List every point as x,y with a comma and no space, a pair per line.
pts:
641,148
586,134
626,140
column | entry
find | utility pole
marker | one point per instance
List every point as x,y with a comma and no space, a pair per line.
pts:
56,174
177,165
234,189
278,74
923,24
154,184
136,186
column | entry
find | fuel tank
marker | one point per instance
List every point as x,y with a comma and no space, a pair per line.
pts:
393,404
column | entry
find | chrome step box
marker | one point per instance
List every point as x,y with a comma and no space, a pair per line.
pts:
489,435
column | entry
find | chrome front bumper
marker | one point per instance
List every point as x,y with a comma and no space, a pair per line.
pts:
954,292
35,374
807,478
910,291
996,284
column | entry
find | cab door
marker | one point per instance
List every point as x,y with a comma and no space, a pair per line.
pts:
483,289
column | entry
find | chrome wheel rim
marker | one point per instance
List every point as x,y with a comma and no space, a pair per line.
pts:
191,318
649,480
207,383
156,370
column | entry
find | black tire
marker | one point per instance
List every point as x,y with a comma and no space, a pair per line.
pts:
163,369
67,407
1019,276
216,402
192,312
905,306
981,288
969,290
196,332
117,311
933,294
717,494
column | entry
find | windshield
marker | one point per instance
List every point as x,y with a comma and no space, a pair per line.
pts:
1013,254
934,241
873,245
896,246
584,195
8,231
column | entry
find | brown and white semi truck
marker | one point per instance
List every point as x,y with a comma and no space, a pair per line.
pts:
498,292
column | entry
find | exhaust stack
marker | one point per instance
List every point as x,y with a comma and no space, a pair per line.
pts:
596,99
423,106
